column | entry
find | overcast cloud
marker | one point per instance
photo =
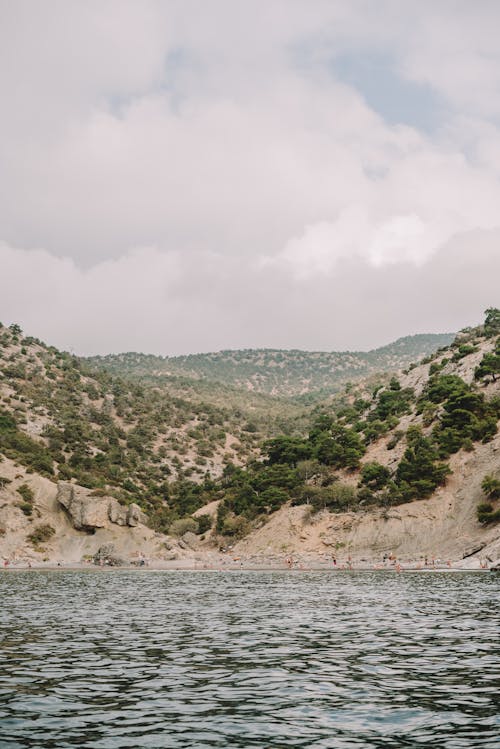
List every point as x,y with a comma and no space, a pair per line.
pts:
205,174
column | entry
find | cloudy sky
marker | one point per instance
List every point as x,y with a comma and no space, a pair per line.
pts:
192,175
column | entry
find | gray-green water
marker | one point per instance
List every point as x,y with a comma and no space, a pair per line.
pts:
270,659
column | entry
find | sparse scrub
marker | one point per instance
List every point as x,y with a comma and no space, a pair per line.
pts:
26,493
41,534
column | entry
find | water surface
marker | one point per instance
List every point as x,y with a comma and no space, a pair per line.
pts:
111,659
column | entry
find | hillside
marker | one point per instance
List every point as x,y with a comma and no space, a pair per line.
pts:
407,462
142,444
428,486
430,433
276,372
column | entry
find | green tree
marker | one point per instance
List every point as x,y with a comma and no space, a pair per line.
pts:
374,475
289,450
419,473
492,322
489,365
339,447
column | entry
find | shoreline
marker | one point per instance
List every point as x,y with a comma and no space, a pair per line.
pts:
264,567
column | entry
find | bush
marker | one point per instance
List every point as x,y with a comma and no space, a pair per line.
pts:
41,534
441,387
183,525
26,493
491,487
336,497
486,514
26,507
463,350
235,526
205,522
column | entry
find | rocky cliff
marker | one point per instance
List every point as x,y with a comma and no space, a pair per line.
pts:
65,523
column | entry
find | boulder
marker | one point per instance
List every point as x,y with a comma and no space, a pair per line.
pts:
135,516
117,513
88,513
471,550
191,540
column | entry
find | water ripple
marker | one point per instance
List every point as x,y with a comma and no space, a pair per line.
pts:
116,659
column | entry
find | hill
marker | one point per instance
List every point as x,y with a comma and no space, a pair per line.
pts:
272,371
410,469
138,443
407,461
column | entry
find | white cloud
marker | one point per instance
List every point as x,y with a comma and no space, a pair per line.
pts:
217,135
164,302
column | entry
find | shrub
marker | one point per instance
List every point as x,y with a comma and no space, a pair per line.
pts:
183,525
41,534
486,514
463,350
26,493
235,526
336,497
26,507
491,487
205,522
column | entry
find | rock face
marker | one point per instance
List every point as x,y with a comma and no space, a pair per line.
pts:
89,513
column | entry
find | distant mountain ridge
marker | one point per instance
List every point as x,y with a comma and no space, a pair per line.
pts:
274,371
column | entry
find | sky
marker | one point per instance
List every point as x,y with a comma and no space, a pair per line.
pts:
180,176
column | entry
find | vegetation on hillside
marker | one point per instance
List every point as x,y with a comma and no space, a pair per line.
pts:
141,444
146,442
489,511
272,371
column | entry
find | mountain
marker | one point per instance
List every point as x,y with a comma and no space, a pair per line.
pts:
273,371
138,443
405,460
410,468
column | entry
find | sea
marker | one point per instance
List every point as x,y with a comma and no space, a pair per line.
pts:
108,659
